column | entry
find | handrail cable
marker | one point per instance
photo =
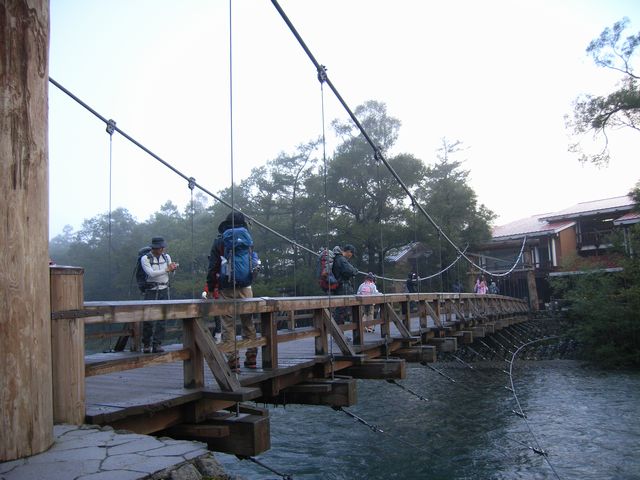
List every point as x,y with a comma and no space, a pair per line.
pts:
376,149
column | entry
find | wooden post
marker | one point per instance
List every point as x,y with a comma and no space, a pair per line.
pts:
26,418
67,346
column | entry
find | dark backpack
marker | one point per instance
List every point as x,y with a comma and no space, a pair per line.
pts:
140,274
238,257
324,270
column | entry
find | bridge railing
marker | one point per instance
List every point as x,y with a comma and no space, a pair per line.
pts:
70,315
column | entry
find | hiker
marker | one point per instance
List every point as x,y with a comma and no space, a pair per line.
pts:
344,272
480,286
368,287
493,288
157,266
234,238
457,286
410,286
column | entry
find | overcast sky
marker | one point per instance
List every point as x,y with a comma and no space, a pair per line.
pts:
499,76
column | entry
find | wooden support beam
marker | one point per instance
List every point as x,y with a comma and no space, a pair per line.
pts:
446,344
215,359
397,321
378,369
67,347
249,435
478,332
242,394
336,332
193,365
200,432
434,314
342,394
269,331
464,336
421,353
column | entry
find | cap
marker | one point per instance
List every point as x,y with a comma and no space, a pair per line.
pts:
158,242
349,247
370,275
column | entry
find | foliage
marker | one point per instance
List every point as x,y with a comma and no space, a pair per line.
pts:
299,202
621,108
606,310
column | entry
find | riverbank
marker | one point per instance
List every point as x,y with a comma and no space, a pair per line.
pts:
90,452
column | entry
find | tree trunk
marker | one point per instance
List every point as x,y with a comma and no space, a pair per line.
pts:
26,420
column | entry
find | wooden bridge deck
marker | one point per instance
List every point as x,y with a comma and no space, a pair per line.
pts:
188,391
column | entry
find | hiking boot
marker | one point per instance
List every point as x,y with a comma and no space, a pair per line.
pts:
250,360
146,349
157,349
234,364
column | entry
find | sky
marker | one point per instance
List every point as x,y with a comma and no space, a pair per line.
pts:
497,75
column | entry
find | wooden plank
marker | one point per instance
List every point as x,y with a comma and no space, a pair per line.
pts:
249,435
132,361
242,394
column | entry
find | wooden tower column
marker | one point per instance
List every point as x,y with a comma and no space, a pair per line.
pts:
26,419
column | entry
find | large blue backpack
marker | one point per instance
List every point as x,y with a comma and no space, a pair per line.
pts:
238,263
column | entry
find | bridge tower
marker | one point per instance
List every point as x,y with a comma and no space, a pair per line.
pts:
26,415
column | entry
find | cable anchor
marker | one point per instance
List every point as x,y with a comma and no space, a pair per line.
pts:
192,183
393,382
375,428
285,476
111,126
322,74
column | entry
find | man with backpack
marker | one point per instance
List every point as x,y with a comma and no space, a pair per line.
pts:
344,272
157,266
232,264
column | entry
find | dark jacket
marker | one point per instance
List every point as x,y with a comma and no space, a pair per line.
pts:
215,257
344,272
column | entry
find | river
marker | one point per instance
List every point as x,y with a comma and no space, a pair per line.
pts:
587,421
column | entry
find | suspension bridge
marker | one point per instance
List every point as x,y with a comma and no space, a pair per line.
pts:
305,356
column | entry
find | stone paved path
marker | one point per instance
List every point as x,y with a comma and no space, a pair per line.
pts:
89,452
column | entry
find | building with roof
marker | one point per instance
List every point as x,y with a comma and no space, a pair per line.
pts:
544,245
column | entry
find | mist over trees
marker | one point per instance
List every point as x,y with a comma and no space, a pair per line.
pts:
354,200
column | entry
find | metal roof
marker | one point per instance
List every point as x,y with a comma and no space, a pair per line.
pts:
627,218
531,227
594,207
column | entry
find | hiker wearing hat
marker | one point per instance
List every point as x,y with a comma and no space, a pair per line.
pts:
344,272
232,265
157,266
368,287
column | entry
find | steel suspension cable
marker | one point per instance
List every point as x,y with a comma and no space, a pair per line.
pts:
175,170
376,148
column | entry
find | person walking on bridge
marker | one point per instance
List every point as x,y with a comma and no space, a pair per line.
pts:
232,265
157,266
344,272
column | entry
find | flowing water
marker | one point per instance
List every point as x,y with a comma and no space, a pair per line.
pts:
587,420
